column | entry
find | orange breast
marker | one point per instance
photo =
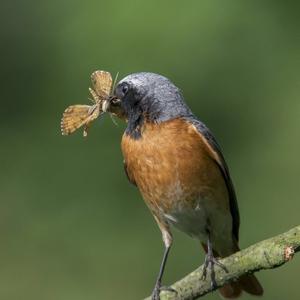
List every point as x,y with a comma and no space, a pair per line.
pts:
172,166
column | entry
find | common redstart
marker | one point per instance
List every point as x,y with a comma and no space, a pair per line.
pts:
178,167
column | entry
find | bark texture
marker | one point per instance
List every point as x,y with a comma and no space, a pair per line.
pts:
267,254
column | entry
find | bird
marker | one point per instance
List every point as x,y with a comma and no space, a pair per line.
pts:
178,166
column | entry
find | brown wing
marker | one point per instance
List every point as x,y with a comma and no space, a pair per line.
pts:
216,153
102,83
76,116
95,96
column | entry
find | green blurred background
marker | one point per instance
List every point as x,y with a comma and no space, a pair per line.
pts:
71,225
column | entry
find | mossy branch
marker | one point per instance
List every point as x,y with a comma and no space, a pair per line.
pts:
268,254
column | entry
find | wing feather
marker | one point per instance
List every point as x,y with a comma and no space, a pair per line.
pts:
217,155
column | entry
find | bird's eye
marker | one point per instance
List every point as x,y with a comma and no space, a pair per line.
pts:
125,89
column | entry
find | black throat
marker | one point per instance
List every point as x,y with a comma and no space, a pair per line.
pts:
135,122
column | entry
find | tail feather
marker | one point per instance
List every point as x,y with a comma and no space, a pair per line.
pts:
247,283
251,285
230,290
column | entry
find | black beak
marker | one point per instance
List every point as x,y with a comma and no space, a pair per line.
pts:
113,105
113,100
110,104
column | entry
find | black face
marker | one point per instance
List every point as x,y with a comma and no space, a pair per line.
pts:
130,96
122,89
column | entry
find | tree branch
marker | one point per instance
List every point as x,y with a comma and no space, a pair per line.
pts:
268,254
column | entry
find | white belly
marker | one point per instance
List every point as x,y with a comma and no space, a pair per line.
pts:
203,219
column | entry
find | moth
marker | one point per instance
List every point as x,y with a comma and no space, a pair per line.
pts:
76,116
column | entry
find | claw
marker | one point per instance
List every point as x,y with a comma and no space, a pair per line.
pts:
209,262
158,288
156,291
168,289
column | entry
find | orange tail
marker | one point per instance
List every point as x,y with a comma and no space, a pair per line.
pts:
247,283
230,290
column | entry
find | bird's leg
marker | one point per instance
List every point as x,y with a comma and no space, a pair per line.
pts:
167,238
158,287
209,262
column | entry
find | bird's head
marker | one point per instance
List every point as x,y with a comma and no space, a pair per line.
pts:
149,97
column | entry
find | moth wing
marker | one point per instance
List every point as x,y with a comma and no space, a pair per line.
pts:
94,113
74,117
102,83
95,96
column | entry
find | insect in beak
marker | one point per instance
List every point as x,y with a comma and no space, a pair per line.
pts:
112,101
105,105
76,116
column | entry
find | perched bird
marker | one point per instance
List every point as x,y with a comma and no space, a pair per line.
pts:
178,167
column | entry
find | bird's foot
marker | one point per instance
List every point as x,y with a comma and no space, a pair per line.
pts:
158,288
209,263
